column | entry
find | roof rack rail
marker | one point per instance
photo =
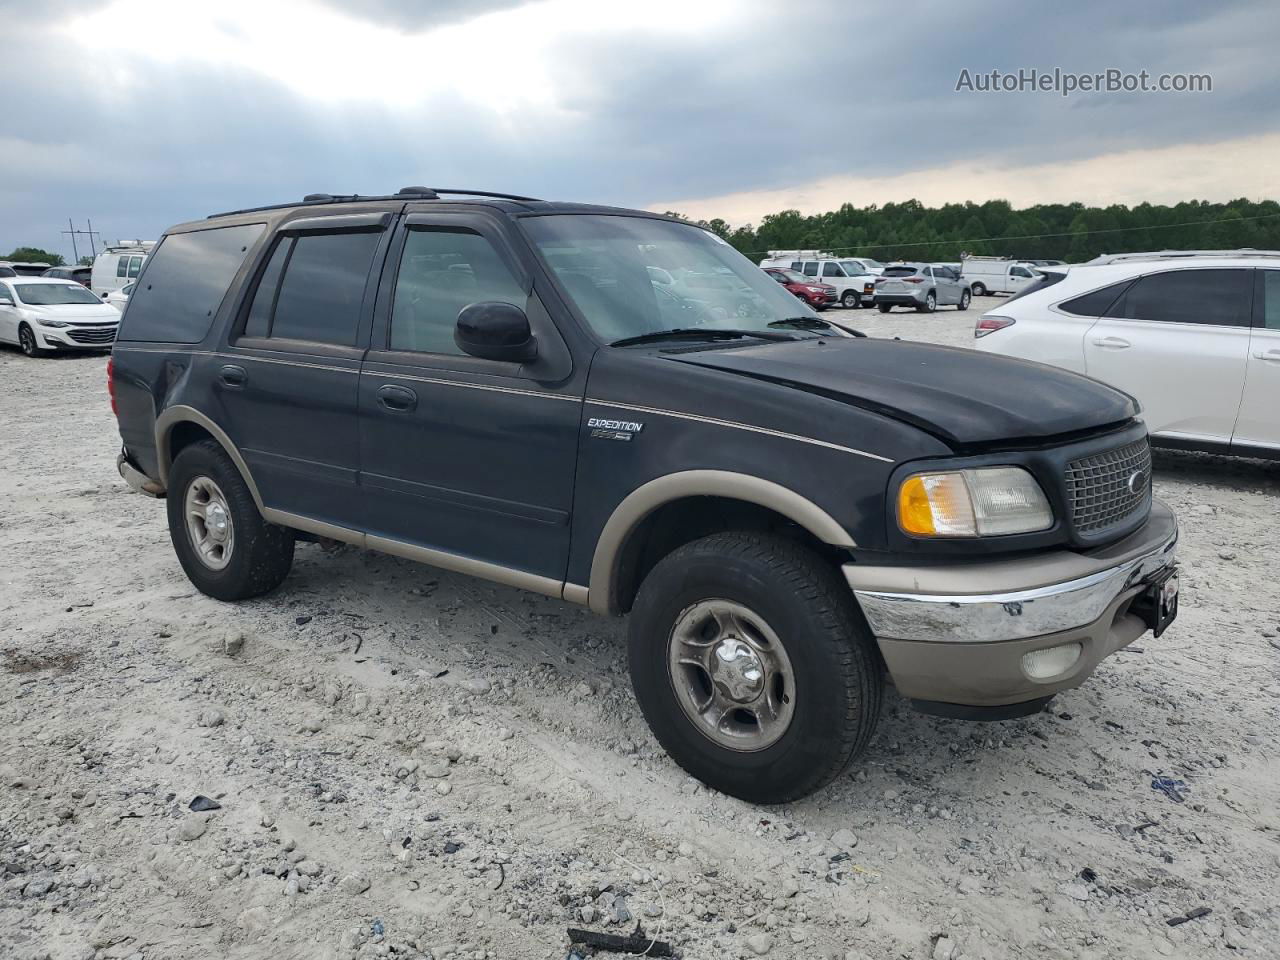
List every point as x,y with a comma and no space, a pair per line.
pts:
1243,252
404,193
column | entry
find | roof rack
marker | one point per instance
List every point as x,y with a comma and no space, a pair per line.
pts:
404,193
1182,255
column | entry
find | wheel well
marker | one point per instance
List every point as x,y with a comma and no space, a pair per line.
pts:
183,435
674,524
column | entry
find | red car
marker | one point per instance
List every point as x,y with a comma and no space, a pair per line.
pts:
817,295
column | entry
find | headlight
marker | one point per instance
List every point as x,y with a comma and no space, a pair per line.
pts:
984,502
51,323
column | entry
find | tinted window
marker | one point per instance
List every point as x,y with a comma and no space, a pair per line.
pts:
135,266
323,287
442,271
258,323
1019,272
122,266
830,269
1271,299
1097,302
1218,297
811,269
795,265
8,272
899,271
184,283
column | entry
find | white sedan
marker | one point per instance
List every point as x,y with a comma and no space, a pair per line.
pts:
118,298
40,314
1194,336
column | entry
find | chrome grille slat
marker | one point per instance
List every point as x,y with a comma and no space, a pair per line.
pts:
1098,486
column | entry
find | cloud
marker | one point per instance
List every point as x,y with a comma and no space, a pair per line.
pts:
142,113
1156,175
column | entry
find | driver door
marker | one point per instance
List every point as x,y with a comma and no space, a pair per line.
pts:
462,456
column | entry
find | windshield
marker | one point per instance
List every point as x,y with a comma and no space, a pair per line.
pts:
53,294
606,264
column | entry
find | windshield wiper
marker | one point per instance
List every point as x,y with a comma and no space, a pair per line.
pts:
815,323
699,333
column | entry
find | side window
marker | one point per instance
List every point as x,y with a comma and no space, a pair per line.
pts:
186,283
135,266
811,268
1020,272
1097,302
1271,299
122,267
258,323
1215,297
832,269
313,288
795,265
442,271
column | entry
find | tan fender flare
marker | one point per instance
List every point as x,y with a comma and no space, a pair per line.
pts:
697,483
170,417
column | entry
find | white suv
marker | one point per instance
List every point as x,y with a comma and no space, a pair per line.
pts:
1194,336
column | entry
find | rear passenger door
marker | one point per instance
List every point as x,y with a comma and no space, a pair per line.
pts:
1258,424
1178,341
464,457
286,386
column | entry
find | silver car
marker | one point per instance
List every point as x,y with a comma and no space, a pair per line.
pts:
924,286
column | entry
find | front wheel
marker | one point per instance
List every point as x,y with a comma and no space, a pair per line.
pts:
850,299
753,666
964,300
979,290
227,550
884,307
27,341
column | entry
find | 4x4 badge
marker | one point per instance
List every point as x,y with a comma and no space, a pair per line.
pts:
602,429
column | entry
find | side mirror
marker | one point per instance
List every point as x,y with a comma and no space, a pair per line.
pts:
493,330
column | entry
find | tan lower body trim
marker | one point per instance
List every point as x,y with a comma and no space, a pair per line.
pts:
436,558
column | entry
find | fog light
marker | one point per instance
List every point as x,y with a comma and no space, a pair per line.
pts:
1051,661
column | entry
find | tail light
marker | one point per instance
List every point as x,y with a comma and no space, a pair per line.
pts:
913,279
111,383
990,324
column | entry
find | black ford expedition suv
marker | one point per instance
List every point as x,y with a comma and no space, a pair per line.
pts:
616,408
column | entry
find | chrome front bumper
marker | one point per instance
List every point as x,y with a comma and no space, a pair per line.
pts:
1018,599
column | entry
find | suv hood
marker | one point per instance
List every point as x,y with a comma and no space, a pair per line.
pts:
961,396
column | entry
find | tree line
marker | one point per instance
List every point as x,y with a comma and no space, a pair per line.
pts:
1052,231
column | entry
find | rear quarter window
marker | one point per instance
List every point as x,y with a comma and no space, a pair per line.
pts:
1095,303
184,283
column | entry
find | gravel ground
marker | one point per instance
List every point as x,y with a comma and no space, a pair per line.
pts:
411,763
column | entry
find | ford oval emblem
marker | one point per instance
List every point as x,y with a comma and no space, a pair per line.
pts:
1137,482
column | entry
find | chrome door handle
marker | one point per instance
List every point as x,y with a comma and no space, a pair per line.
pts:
1113,343
233,376
1272,355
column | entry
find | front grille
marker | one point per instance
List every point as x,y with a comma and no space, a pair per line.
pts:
93,335
1101,488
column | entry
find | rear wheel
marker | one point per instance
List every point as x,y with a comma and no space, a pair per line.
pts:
27,341
227,550
884,307
753,666
850,299
979,290
964,300
930,303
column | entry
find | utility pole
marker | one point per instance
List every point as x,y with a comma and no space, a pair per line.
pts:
73,233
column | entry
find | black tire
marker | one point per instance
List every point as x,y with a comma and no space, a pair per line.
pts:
964,300
884,307
819,307
838,681
27,342
930,303
979,290
850,300
262,553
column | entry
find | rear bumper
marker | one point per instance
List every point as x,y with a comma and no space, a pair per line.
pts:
961,634
136,479
899,299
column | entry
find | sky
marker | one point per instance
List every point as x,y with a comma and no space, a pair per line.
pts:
137,114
